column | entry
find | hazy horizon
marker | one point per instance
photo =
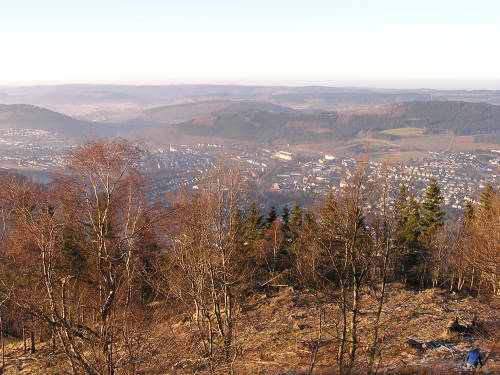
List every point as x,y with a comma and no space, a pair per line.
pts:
449,45
461,85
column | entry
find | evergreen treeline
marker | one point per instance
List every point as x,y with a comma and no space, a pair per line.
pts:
91,260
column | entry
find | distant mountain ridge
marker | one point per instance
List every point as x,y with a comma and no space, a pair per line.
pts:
84,99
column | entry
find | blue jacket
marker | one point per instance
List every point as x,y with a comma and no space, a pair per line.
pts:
473,357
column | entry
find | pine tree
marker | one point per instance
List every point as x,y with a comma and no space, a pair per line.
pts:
295,221
238,228
253,225
328,220
408,230
309,218
469,213
486,200
401,207
271,217
286,221
432,212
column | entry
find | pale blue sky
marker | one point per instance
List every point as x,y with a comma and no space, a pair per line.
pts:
366,42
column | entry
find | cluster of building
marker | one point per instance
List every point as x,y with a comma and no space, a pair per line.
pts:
31,148
461,176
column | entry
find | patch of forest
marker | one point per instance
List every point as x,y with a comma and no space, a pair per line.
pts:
461,118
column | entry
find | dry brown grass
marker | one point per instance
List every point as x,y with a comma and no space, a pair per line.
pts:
275,336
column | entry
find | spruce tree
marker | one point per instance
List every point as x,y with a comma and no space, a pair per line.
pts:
271,217
286,220
408,229
411,228
253,226
329,219
238,228
401,207
432,212
469,213
486,200
295,221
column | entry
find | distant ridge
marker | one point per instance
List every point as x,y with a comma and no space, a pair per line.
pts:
257,121
175,113
85,100
19,116
460,118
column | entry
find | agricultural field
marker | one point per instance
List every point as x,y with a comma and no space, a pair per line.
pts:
437,142
410,143
404,132
397,157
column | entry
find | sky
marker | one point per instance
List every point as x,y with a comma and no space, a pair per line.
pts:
383,43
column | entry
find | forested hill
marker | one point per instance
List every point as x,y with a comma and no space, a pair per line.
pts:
264,122
459,117
177,113
265,126
19,116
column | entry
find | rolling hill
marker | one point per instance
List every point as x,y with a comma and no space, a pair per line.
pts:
177,113
265,122
25,116
90,101
19,116
459,118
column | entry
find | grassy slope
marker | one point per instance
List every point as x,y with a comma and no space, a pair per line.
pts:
276,335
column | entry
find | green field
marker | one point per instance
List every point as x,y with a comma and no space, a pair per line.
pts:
366,141
434,140
404,132
402,148
397,157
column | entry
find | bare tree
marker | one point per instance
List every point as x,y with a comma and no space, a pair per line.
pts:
337,255
104,192
480,246
78,249
384,226
207,257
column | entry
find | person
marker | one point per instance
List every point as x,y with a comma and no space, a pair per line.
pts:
473,358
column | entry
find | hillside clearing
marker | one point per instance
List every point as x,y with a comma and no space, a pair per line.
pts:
276,335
